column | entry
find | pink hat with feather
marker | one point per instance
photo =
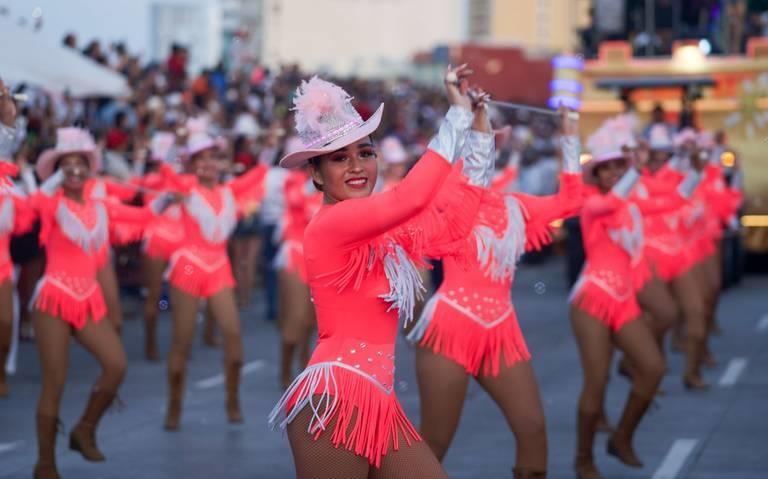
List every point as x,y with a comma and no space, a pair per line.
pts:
69,141
326,121
607,144
292,145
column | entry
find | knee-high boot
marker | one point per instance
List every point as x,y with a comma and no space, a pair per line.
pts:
232,376
620,443
83,436
175,397
584,466
47,427
520,473
692,378
4,349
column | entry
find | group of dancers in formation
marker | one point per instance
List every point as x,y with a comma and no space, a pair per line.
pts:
353,251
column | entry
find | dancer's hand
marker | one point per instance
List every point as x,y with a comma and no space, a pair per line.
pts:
457,86
7,106
480,99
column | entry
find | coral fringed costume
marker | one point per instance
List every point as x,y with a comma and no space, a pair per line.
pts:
16,217
362,257
664,247
616,267
612,229
76,236
302,202
201,267
471,319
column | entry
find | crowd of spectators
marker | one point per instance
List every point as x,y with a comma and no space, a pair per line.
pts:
250,106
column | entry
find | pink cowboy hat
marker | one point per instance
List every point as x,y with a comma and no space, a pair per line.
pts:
326,121
606,144
199,138
660,138
69,141
392,151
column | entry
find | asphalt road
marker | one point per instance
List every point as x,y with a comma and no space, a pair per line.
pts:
719,434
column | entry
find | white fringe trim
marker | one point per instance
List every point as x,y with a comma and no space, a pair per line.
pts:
6,215
420,328
630,239
305,387
89,240
405,284
498,256
215,227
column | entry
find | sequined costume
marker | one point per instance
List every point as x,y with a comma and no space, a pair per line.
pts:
362,257
76,236
471,319
200,266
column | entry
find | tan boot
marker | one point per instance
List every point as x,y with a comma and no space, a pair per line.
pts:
692,379
584,466
83,436
47,428
150,339
232,376
4,349
620,443
520,473
175,396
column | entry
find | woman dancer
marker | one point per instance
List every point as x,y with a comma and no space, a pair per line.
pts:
161,238
712,205
669,251
723,199
15,218
200,268
296,315
469,327
655,296
246,241
604,310
342,416
68,300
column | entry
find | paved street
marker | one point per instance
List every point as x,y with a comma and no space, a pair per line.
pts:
714,435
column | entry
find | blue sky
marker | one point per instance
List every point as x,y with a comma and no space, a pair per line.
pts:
106,20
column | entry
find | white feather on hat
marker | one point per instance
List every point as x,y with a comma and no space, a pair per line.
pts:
326,121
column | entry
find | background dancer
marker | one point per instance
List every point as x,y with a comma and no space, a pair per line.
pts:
604,310
68,300
200,268
470,328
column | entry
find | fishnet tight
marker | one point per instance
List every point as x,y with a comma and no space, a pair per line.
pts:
320,459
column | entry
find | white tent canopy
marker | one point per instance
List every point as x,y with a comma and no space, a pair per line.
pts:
27,57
